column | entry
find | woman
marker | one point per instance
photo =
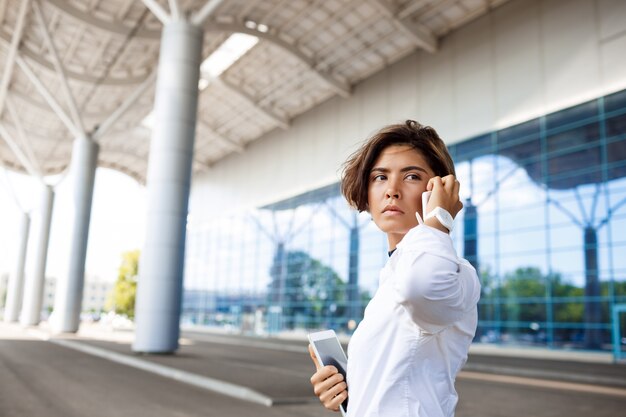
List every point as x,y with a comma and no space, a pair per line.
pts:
404,356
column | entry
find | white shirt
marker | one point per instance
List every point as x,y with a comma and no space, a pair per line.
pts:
404,356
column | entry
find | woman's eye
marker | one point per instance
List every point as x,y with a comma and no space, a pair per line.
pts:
413,177
379,178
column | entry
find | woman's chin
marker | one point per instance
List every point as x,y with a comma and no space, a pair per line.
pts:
395,226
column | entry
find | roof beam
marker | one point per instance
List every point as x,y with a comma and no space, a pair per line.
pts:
158,11
411,8
19,154
340,87
71,103
126,104
56,107
116,28
175,10
3,9
10,62
229,143
22,135
421,36
201,15
36,58
276,118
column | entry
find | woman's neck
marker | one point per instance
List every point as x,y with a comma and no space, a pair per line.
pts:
393,239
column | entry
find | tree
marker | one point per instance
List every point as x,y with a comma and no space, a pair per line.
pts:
566,307
524,290
122,298
302,285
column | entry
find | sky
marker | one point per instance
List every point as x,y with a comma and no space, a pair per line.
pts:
117,222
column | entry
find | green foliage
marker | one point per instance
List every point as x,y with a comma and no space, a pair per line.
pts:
310,288
122,298
526,296
567,308
523,294
619,289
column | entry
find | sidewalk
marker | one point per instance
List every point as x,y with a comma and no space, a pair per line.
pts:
261,377
239,365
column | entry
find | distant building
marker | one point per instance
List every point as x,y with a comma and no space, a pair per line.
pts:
95,294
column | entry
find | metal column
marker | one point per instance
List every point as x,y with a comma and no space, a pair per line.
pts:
69,292
16,281
159,287
33,291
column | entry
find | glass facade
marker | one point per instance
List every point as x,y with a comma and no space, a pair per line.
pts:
544,223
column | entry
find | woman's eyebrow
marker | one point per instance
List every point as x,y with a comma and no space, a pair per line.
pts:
405,169
413,168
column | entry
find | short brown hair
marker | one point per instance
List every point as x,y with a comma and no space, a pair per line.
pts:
356,170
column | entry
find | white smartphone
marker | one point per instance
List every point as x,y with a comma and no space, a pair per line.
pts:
328,351
425,198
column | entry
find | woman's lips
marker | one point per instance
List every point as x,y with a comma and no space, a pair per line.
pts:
392,211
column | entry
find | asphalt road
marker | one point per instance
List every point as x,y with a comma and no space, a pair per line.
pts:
40,378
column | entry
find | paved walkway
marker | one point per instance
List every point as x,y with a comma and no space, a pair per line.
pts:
95,373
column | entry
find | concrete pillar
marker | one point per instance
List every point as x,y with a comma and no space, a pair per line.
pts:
16,281
33,291
69,291
159,287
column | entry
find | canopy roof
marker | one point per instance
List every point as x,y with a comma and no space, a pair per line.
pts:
107,50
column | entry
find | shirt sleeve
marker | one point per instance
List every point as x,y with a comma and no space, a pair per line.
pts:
434,286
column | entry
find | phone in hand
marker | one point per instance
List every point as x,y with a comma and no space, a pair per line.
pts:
425,197
328,351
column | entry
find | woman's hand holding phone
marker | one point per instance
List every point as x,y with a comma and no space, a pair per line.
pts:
328,384
445,194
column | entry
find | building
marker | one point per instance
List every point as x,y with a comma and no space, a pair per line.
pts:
530,96
95,294
531,99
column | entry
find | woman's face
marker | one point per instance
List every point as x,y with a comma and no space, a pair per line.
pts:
396,183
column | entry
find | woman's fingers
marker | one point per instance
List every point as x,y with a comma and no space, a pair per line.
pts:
445,194
334,403
314,358
323,385
328,395
431,183
329,386
450,183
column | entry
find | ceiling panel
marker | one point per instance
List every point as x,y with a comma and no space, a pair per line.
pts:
309,51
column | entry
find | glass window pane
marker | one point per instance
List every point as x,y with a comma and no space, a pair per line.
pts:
616,101
521,133
616,126
572,114
472,148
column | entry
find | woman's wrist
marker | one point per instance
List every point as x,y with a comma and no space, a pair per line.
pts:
434,223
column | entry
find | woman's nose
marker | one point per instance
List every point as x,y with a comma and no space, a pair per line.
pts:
392,193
